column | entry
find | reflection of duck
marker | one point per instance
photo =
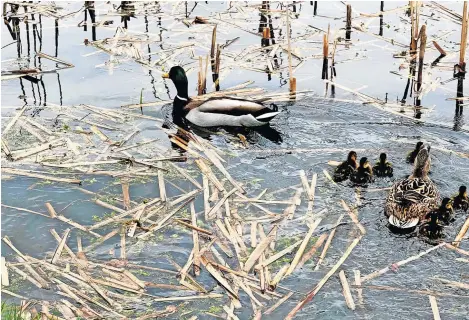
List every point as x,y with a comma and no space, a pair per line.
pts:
412,154
219,111
461,200
411,199
363,174
346,168
383,168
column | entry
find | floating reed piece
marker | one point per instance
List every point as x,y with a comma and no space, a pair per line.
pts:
348,23
325,53
423,43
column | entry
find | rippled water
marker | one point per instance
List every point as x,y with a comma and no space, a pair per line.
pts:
306,135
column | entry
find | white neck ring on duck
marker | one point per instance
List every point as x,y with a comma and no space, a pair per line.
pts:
180,98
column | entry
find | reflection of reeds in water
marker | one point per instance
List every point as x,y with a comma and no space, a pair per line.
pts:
381,19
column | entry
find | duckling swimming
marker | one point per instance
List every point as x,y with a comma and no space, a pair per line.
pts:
461,200
383,168
346,168
432,228
364,173
409,200
413,154
445,211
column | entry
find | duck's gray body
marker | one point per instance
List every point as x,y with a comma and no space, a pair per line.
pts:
230,112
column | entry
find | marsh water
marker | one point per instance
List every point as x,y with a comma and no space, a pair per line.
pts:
306,135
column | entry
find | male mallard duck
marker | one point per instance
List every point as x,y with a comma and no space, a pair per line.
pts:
412,154
363,174
461,200
432,227
219,111
383,168
445,211
411,199
346,168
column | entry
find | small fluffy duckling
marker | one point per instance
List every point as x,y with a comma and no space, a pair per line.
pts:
445,211
412,154
346,168
432,229
364,173
461,200
383,168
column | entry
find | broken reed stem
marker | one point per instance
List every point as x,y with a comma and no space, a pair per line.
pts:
423,43
462,52
328,243
439,48
290,69
323,281
434,305
346,290
461,233
302,247
212,48
399,264
348,24
325,54
312,251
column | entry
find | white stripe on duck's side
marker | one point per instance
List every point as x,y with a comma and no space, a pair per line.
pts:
207,119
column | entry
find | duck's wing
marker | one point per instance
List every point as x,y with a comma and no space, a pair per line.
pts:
232,106
415,190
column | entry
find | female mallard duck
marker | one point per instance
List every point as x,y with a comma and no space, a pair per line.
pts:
383,168
363,174
411,199
219,111
412,154
346,168
461,200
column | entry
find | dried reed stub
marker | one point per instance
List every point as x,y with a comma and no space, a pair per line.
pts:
348,23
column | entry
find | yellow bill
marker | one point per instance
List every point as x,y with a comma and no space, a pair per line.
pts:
165,75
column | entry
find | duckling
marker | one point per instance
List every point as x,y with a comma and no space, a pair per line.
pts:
461,200
409,200
363,174
219,111
346,168
412,154
445,211
383,168
432,228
